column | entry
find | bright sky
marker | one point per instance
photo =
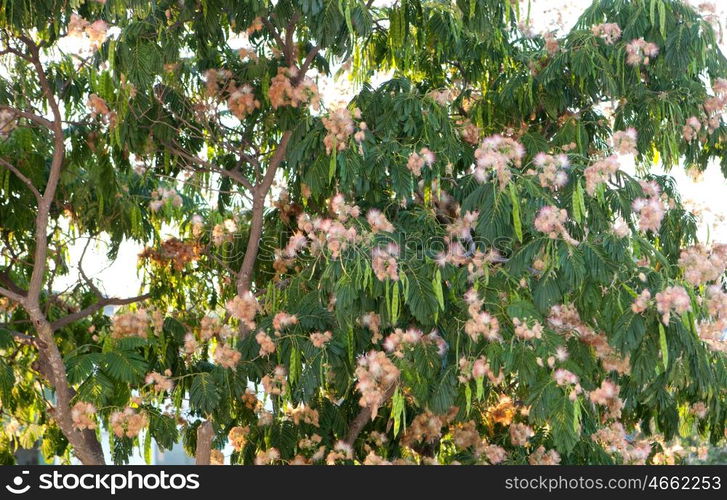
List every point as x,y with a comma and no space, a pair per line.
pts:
708,195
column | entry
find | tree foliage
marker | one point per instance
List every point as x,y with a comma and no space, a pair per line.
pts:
451,266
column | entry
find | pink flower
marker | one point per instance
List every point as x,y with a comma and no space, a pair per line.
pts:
673,298
608,32
378,222
624,141
550,220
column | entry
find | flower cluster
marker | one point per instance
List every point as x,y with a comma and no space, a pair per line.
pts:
608,32
96,32
372,321
130,324
600,172
543,457
608,395
162,196
624,141
639,51
376,375
520,434
339,127
477,369
267,345
226,356
566,378
416,161
425,428
551,43
190,344
566,320
343,210
283,320
211,326
378,221
161,382
498,154
494,454
673,298
552,170
701,265
470,132
712,331
7,122
238,437
287,89
319,339
267,457
614,439
481,323
399,339
82,414
244,308
714,106
223,233
525,332
691,128
128,423
303,414
650,209
620,228
174,251
384,263
99,107
551,221
242,102
276,384
641,303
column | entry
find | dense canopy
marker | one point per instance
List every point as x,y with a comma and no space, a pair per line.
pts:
456,263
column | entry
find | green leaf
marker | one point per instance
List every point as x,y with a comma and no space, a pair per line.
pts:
517,223
437,286
332,164
126,366
203,395
664,346
397,410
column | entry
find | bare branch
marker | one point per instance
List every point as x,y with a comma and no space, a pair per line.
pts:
211,167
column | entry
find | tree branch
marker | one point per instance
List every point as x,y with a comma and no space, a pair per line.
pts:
211,167
22,177
244,277
363,417
93,308
30,116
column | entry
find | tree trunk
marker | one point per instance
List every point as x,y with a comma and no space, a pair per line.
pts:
203,452
86,445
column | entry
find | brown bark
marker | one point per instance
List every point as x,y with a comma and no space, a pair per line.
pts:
244,277
363,417
85,444
203,451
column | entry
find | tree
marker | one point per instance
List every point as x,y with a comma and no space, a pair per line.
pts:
451,267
